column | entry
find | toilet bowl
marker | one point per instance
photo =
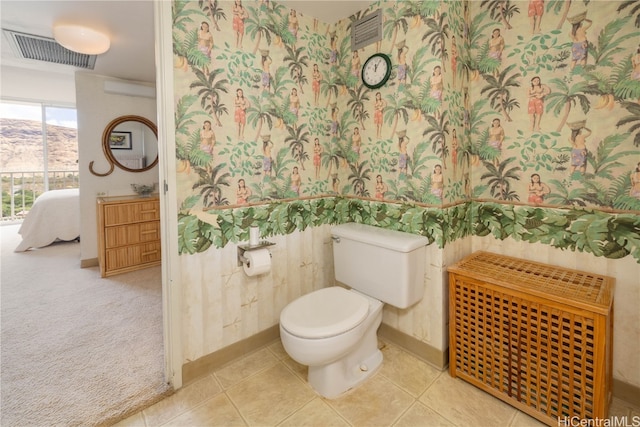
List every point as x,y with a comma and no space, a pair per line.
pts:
333,331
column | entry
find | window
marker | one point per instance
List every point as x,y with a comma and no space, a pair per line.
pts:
38,152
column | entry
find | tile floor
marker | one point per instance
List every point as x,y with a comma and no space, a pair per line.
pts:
267,388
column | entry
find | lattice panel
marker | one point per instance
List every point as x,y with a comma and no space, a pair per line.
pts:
547,358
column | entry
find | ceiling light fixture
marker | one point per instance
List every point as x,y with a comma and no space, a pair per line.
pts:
81,39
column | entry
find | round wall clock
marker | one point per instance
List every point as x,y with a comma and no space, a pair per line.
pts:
376,70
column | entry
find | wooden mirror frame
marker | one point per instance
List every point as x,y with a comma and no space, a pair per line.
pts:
113,162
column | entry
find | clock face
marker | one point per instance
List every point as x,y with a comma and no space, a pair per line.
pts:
376,70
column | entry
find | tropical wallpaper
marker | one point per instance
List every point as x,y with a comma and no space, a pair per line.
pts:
511,118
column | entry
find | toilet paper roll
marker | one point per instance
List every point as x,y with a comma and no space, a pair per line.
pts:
254,236
259,262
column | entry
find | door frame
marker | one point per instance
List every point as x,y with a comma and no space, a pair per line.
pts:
171,282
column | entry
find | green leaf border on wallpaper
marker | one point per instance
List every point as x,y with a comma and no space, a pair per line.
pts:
602,234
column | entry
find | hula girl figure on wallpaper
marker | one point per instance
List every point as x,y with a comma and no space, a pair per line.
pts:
239,15
205,42
402,64
334,119
537,190
378,107
381,187
496,138
317,155
267,145
579,49
535,12
403,157
296,181
293,25
537,93
294,106
333,54
496,47
356,143
579,147
207,138
454,151
243,193
436,83
454,60
240,116
356,66
315,84
266,75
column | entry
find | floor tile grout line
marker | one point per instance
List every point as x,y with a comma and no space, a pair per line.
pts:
306,385
316,395
513,419
337,412
198,405
418,401
394,422
247,377
284,365
237,409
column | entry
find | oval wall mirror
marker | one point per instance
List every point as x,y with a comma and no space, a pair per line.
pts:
130,143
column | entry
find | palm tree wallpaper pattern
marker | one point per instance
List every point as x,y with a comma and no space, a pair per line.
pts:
529,108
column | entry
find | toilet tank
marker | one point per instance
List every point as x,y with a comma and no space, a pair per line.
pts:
385,264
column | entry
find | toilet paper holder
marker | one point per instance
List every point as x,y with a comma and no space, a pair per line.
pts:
243,248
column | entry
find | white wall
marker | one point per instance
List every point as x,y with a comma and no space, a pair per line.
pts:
96,109
25,84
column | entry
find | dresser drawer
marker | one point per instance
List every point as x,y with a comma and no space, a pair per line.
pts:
133,255
130,234
131,212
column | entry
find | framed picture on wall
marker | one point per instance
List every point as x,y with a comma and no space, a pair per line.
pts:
120,140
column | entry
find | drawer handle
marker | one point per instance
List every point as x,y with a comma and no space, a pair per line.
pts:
149,253
149,232
148,211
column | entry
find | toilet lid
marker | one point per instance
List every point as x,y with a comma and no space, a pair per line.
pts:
324,313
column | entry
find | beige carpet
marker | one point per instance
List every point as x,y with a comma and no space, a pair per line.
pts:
76,349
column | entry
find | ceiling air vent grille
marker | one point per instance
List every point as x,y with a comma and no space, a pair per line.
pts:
366,30
30,46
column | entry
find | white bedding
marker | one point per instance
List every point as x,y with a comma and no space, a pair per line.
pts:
55,215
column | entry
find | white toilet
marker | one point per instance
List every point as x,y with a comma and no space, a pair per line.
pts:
333,330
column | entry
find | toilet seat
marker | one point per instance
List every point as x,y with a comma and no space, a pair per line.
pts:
324,313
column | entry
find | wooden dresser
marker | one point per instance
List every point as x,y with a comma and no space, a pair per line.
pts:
537,336
128,233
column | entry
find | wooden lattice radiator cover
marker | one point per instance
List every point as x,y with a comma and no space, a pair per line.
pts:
537,336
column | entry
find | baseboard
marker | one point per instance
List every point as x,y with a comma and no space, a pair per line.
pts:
422,350
627,392
91,262
209,363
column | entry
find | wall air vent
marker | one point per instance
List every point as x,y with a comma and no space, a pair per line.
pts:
366,30
30,46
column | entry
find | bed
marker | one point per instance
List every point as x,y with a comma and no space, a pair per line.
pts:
55,215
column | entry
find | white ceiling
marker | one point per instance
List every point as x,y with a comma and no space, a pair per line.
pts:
128,23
